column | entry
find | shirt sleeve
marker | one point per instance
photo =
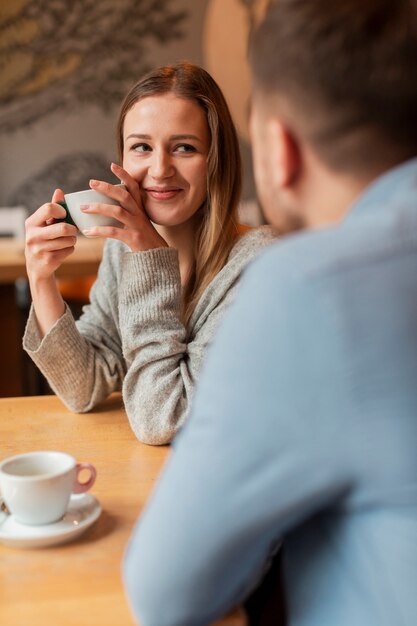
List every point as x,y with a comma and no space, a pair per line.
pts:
258,455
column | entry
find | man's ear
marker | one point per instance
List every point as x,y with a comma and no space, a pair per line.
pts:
284,152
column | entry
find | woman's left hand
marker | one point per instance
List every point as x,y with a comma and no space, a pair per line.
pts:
137,231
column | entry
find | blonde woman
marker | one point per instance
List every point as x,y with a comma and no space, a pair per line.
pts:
167,274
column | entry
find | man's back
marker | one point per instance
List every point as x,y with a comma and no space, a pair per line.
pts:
313,437
304,421
354,561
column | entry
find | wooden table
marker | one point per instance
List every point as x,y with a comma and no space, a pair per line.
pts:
83,262
79,583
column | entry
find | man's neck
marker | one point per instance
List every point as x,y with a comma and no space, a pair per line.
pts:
329,195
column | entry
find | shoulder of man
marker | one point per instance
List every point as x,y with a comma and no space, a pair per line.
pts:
312,254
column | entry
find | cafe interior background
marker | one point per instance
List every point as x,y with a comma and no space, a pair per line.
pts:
65,66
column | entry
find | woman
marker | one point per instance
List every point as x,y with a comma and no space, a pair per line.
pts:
166,276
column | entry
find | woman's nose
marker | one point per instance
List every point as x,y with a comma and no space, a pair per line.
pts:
161,165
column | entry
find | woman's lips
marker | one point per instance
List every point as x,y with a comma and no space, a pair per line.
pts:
163,194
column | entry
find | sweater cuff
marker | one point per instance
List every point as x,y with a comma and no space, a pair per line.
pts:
56,353
33,341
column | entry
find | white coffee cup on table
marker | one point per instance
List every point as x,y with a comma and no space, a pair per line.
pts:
37,486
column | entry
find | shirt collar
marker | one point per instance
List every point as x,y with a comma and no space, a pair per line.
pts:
393,187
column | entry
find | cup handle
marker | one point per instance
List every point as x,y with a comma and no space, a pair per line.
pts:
68,217
85,486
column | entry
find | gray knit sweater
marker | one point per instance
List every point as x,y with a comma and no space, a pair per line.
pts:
131,337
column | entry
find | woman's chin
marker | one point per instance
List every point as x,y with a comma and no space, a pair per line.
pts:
172,220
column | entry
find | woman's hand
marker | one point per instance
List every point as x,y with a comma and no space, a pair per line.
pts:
48,242
137,230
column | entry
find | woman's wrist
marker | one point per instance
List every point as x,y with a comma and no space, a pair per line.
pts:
41,283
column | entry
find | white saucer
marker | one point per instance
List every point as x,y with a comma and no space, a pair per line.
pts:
83,510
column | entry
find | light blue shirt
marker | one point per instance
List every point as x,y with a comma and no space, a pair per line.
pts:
304,427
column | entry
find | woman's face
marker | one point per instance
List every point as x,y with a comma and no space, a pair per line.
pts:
166,144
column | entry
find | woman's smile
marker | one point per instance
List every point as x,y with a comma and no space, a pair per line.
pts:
163,193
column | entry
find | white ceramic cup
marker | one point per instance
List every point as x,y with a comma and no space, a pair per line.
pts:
37,486
73,202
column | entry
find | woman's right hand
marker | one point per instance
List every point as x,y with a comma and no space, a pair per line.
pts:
48,242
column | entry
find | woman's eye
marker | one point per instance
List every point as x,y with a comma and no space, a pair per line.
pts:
184,147
141,147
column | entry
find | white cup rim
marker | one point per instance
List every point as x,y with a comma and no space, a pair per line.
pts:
72,194
36,453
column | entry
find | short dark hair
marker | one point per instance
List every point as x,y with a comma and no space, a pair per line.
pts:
346,71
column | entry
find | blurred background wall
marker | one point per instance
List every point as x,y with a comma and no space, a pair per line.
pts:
65,66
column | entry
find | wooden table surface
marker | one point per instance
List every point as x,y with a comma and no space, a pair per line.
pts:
83,262
79,583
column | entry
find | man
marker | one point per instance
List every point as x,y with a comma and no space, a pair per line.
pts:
304,426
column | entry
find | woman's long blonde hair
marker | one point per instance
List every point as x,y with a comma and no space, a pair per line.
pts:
217,231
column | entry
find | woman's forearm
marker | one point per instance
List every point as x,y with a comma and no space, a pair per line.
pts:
47,301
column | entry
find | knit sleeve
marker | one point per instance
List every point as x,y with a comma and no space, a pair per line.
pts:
163,361
82,368
163,358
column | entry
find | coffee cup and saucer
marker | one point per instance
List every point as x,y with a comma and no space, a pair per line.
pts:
45,503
